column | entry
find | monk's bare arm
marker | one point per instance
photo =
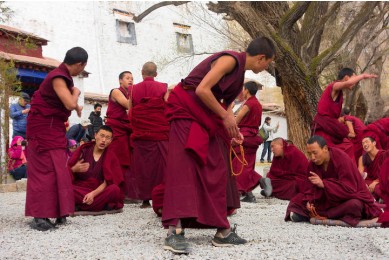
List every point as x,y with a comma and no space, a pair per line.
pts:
220,67
118,96
242,113
351,131
67,97
352,81
361,168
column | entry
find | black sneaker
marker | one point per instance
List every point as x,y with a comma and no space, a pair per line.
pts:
42,224
60,221
266,186
294,217
231,239
249,198
177,243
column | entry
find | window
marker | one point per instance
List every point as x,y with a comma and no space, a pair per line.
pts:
125,32
184,43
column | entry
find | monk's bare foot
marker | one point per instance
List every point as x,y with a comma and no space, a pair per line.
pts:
367,222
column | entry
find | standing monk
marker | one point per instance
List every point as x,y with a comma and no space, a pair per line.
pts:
249,120
117,119
49,187
288,171
336,189
150,132
199,188
97,176
329,108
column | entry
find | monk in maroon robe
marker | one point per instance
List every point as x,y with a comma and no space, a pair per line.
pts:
379,130
384,186
369,165
288,171
249,120
150,132
97,175
355,132
49,186
326,122
198,186
118,120
336,189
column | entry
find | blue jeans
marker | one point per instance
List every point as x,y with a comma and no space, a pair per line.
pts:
266,148
19,173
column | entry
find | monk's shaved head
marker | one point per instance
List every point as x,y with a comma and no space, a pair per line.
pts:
149,69
278,140
277,147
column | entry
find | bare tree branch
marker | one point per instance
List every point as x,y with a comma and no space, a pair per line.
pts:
292,16
324,58
149,10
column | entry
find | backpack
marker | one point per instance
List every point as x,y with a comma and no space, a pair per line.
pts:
263,133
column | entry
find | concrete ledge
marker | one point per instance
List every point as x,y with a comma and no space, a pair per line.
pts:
19,185
11,187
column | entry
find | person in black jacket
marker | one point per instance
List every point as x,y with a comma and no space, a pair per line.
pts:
96,120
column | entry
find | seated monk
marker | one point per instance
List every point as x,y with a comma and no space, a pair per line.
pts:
379,130
369,165
329,108
288,171
335,190
384,186
97,176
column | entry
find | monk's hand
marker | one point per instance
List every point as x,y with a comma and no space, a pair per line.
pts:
237,141
89,198
76,91
310,206
316,180
230,125
372,185
79,110
80,166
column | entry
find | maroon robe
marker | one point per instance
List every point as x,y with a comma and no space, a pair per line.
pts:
326,122
373,169
344,196
118,120
157,196
150,135
359,127
248,180
49,187
288,173
107,169
384,186
379,130
199,186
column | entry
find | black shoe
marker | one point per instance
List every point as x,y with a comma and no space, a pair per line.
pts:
60,221
263,193
294,217
176,243
249,198
266,186
262,161
145,204
42,224
231,239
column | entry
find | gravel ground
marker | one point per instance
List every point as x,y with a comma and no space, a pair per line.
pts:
137,234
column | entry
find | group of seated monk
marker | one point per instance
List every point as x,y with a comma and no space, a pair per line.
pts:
334,190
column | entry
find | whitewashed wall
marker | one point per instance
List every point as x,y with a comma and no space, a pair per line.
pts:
92,25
